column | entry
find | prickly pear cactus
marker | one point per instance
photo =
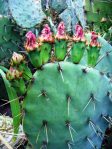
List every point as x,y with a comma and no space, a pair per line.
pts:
78,48
67,105
39,53
26,13
67,108
104,60
61,43
9,40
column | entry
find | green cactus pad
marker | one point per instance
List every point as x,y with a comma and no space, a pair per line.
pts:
93,55
103,6
9,40
77,52
45,53
97,10
60,49
105,60
104,63
63,103
19,86
35,58
41,55
27,13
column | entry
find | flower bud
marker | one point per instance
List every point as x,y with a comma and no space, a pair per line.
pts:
13,74
46,35
94,40
16,58
31,43
79,34
61,33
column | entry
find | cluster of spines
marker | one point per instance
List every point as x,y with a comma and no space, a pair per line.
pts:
90,122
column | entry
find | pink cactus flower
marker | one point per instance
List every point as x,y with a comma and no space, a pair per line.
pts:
94,39
46,34
61,33
30,44
79,35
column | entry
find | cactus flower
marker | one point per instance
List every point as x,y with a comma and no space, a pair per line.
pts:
31,43
46,34
61,33
16,58
13,74
94,40
79,33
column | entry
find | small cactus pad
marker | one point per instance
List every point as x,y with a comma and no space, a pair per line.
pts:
60,49
64,107
45,49
105,63
77,52
27,13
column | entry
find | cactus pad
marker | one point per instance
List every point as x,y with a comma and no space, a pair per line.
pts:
9,39
26,13
105,63
98,13
64,107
